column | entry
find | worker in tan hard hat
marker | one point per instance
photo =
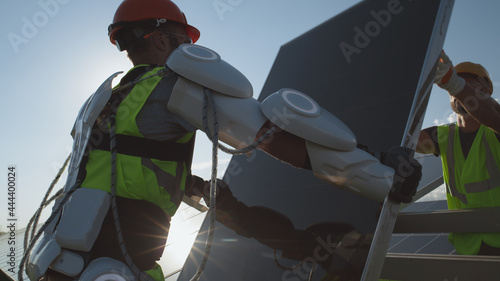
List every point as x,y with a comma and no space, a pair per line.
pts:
469,148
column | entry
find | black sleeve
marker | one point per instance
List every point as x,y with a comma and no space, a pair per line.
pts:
195,186
433,133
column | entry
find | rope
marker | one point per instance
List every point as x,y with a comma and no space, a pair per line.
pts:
252,146
143,276
225,149
43,204
128,259
32,220
291,268
42,229
35,218
208,101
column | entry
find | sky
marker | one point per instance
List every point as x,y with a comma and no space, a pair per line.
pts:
55,53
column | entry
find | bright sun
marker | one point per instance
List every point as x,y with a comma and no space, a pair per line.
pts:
183,230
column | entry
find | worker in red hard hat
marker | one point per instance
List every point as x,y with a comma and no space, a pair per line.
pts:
469,148
160,21
154,146
139,153
149,31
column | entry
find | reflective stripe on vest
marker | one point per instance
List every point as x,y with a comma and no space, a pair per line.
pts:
157,181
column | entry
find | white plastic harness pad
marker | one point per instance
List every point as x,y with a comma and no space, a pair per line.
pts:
83,127
355,170
299,114
205,67
47,251
82,218
106,269
239,119
239,114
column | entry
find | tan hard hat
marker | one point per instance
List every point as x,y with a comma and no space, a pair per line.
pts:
474,68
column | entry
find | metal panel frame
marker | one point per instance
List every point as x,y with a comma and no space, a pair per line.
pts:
460,221
417,267
390,209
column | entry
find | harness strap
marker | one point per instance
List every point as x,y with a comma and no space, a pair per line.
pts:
132,145
148,148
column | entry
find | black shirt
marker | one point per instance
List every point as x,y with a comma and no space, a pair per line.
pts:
466,139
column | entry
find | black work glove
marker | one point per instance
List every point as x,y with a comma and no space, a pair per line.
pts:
196,186
407,173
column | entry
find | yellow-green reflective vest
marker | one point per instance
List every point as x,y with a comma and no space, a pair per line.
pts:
471,183
157,181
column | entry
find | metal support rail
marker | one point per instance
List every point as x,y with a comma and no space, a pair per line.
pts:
418,267
409,267
465,220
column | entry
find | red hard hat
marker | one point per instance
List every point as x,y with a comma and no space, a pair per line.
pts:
140,12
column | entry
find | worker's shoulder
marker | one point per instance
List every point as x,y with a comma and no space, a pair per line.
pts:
492,132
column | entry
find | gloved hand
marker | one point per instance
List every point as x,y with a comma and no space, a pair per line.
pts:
446,76
407,173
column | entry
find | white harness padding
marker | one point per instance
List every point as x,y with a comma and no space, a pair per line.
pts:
297,113
82,128
68,263
206,68
107,269
355,170
45,252
239,115
239,120
78,228
82,216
